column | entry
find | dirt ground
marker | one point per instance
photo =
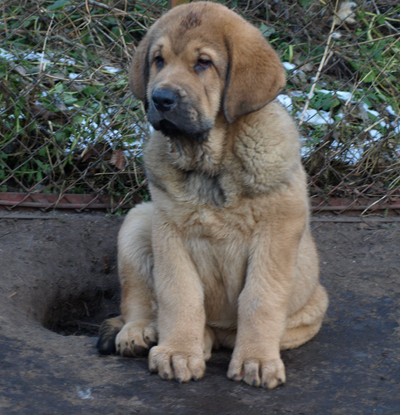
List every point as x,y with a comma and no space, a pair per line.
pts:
58,281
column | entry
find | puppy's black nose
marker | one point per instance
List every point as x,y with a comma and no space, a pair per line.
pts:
164,99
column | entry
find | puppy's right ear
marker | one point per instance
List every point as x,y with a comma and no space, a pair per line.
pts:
139,71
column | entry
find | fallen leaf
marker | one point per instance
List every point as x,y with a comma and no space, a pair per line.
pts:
118,159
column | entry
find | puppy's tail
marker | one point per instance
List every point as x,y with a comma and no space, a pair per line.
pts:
107,334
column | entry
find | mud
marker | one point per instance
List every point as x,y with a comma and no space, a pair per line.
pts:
58,281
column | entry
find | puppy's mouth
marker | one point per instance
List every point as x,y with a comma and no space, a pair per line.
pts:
171,130
168,128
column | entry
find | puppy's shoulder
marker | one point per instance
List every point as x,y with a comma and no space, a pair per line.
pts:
268,146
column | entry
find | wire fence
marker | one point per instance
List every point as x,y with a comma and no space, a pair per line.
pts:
69,125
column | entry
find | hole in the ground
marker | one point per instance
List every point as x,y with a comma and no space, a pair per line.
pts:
83,314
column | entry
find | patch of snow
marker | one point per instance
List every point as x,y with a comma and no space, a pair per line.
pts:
36,56
20,116
315,117
288,66
286,101
111,69
344,95
87,394
305,151
354,155
396,128
375,135
298,94
390,110
74,75
6,55
67,61
324,91
372,112
91,132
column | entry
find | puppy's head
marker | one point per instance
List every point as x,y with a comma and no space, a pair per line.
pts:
200,59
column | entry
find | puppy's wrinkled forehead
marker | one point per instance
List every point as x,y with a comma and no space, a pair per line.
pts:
191,20
194,27
190,27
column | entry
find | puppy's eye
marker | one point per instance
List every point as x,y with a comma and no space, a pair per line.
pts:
202,64
159,61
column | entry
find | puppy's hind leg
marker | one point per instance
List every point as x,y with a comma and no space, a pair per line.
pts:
107,334
135,331
303,325
210,342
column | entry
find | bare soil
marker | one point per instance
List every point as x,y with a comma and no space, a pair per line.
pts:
58,281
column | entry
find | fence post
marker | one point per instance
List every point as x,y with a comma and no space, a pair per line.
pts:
173,3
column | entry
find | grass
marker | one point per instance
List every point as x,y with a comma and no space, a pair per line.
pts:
68,122
360,149
65,103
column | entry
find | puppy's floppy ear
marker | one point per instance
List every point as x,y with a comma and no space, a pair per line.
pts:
255,74
139,70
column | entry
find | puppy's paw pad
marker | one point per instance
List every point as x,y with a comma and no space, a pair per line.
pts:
134,340
176,364
267,374
272,373
150,335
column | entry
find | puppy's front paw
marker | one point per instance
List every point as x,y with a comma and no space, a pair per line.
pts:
257,372
135,339
171,363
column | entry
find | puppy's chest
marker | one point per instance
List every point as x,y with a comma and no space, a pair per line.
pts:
221,266
218,189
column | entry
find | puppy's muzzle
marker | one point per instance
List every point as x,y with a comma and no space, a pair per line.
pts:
164,100
177,117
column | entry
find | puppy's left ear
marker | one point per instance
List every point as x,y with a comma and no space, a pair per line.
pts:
255,74
139,70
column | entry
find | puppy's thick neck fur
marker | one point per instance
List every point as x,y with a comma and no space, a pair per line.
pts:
242,159
189,154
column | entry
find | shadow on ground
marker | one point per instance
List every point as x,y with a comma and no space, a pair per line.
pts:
58,281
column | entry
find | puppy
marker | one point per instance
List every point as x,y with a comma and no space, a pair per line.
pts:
223,254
